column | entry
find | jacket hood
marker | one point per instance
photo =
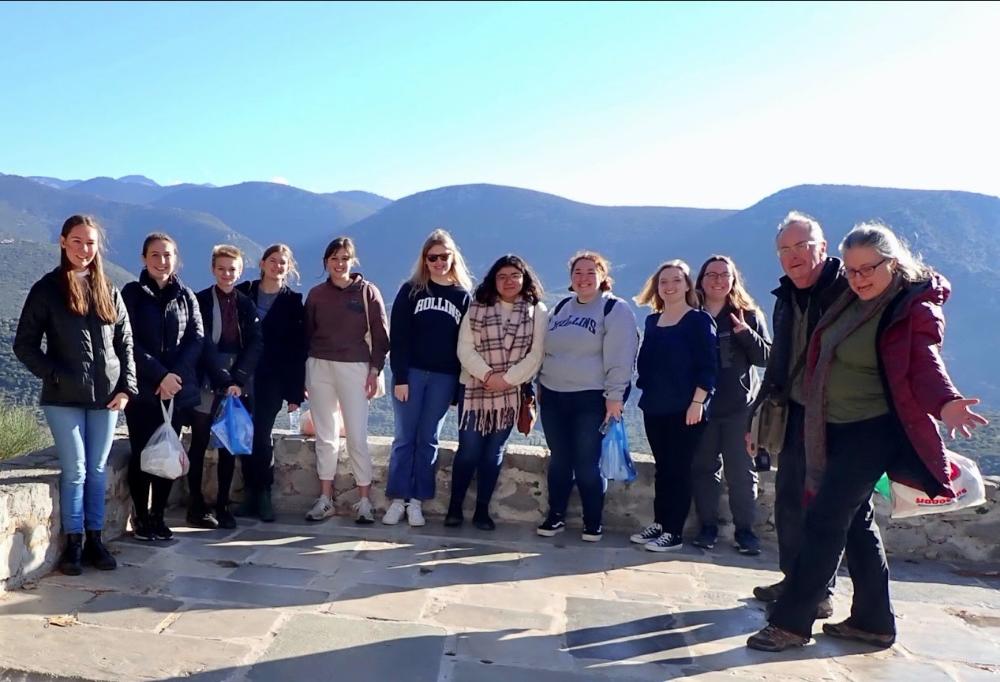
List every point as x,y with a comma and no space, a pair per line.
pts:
147,282
831,269
935,290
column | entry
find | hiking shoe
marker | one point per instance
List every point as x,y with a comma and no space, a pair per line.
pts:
769,593
746,542
365,512
707,538
667,542
592,534
773,638
845,630
71,559
394,513
225,518
551,527
323,509
96,554
201,518
159,527
415,513
650,532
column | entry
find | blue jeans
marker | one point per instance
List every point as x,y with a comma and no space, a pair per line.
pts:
83,440
412,465
480,454
571,422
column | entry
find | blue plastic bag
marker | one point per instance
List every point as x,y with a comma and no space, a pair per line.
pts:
233,426
616,462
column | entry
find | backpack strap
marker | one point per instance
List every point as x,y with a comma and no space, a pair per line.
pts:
560,305
608,305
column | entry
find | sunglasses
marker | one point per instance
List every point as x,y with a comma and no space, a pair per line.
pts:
435,257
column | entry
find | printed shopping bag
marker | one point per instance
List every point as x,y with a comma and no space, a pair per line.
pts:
965,479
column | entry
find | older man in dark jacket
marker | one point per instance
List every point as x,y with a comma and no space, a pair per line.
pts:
812,282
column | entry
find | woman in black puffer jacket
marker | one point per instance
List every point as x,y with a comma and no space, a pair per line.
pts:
88,376
168,335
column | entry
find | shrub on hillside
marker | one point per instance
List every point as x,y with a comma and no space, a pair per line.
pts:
20,432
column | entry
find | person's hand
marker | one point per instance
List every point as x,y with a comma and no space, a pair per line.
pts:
118,402
293,407
402,392
371,385
748,440
695,413
739,323
496,382
612,409
234,391
957,416
169,386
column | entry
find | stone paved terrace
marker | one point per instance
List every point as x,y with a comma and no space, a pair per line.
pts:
335,601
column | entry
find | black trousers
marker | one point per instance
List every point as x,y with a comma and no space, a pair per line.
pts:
201,435
258,470
674,444
143,418
842,517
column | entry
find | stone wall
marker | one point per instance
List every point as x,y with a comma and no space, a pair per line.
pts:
29,503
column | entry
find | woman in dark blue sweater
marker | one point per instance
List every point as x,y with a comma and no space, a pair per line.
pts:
677,372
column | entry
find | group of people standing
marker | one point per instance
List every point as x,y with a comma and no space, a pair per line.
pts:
856,357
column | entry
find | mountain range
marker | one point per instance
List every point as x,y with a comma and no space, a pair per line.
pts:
957,232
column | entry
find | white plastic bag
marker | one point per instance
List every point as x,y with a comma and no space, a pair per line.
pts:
164,454
965,480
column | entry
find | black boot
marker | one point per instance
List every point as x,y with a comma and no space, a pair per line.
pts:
96,554
71,560
454,519
481,519
265,510
250,506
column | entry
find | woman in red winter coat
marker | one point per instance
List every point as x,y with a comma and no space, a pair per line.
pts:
876,384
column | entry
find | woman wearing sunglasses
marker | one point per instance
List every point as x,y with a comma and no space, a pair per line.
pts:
426,316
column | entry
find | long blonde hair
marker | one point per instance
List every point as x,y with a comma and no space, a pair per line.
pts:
459,272
650,294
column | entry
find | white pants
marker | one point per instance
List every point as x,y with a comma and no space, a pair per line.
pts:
339,383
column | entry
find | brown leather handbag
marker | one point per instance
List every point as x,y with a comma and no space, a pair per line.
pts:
527,414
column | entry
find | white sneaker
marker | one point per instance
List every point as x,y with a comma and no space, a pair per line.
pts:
650,532
364,510
394,513
323,509
415,513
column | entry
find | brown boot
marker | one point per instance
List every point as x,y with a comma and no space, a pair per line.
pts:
773,638
845,630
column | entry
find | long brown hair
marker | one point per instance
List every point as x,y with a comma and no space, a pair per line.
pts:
79,297
459,272
738,297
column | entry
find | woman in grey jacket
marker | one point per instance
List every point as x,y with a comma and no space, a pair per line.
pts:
743,344
88,376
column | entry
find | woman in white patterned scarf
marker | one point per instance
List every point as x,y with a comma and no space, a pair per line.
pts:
500,345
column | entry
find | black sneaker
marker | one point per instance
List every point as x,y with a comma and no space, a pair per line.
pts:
142,530
592,534
551,527
201,518
707,538
667,542
159,528
225,518
746,542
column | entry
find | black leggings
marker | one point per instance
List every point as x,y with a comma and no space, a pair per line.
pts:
201,433
143,418
673,444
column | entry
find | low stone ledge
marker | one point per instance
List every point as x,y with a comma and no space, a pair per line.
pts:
29,502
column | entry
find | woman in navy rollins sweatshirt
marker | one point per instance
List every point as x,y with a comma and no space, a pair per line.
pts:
677,373
423,355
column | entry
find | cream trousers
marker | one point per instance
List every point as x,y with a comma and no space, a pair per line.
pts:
339,383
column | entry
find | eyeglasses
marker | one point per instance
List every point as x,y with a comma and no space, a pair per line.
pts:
716,276
512,277
863,272
435,257
799,247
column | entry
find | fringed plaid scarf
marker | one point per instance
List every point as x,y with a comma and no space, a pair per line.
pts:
502,346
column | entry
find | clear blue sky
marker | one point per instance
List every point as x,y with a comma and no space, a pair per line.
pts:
714,105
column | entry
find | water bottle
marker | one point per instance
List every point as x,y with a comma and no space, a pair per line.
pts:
295,420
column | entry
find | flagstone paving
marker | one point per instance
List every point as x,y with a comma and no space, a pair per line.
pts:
291,601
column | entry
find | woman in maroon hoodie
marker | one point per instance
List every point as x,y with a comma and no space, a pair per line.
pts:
876,383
